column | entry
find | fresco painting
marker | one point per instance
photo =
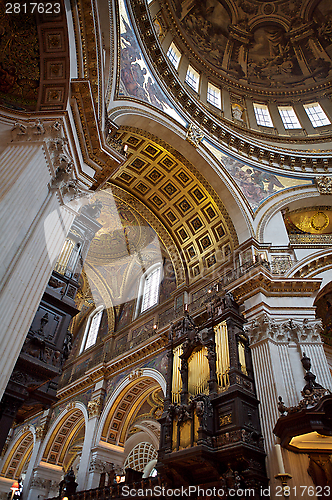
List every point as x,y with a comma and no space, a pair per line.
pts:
256,184
266,54
136,79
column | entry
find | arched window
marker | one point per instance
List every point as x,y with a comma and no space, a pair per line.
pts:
151,282
140,456
92,329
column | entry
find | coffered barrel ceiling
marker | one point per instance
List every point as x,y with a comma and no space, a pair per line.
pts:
277,45
185,203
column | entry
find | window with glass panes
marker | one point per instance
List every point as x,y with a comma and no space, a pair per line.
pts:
192,78
316,114
151,289
214,95
174,55
93,329
262,115
289,117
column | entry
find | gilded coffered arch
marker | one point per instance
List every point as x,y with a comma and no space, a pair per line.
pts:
63,435
179,195
18,455
130,402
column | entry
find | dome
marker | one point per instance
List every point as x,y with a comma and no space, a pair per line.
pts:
279,47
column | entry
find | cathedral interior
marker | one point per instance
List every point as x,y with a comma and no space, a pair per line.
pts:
166,232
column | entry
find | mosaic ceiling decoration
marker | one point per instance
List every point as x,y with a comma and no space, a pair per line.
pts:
255,184
136,79
276,44
180,197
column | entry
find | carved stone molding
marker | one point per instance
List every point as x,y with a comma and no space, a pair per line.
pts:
41,431
260,280
135,374
265,327
51,133
324,184
98,465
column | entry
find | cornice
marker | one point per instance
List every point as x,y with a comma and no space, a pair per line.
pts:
99,156
114,367
262,281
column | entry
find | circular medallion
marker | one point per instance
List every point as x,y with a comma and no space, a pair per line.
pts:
320,221
268,9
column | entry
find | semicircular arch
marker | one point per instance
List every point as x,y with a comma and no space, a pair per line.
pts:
71,421
130,393
19,453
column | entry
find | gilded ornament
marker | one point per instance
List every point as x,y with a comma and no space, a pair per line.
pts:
320,221
94,407
324,184
225,420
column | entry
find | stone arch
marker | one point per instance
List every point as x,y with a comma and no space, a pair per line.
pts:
314,266
301,196
172,137
19,453
70,425
126,401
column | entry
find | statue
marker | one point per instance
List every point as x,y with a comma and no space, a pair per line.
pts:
68,484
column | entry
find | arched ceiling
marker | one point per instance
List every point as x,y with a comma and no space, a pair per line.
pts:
277,45
131,402
181,198
158,209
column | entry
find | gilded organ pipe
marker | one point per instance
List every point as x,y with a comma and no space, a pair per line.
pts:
198,372
176,381
222,351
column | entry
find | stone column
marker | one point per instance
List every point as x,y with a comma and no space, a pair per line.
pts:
94,460
45,481
36,176
104,458
277,347
35,456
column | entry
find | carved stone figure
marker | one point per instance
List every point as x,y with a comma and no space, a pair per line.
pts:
94,407
194,135
324,184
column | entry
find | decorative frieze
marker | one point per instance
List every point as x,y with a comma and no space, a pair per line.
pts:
265,327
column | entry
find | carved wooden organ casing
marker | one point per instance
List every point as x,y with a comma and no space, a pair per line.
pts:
210,429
